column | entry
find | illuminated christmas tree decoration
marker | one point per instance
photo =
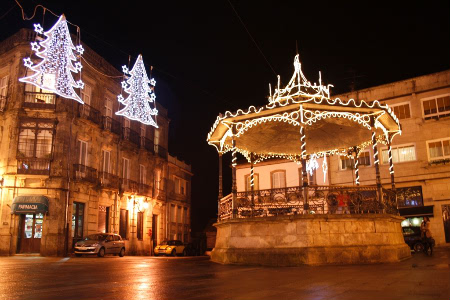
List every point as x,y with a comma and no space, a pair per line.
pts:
325,169
140,95
312,165
54,71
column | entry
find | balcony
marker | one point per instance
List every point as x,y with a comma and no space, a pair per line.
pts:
88,112
33,166
162,152
147,145
35,100
84,173
108,180
132,136
145,189
111,125
129,186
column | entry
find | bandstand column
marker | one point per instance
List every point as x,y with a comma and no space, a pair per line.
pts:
220,177
391,163
233,172
356,151
304,172
252,178
376,161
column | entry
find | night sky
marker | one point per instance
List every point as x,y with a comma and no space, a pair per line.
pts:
205,61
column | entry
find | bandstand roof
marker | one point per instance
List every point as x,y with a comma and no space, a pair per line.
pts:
332,126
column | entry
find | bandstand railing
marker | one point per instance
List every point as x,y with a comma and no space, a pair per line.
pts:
321,200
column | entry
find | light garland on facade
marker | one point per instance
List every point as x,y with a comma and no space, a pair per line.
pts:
325,169
140,95
54,72
312,165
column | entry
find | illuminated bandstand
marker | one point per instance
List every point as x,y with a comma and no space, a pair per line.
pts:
303,123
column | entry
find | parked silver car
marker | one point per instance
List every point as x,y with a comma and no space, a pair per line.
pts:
101,244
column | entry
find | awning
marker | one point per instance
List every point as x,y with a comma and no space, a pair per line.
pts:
29,204
420,211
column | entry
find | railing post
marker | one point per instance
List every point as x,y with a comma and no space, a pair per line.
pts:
376,161
233,173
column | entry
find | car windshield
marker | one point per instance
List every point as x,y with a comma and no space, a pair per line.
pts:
169,243
96,237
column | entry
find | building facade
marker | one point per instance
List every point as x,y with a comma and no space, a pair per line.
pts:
421,154
70,170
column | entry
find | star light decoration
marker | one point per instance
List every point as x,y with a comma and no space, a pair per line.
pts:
140,95
54,71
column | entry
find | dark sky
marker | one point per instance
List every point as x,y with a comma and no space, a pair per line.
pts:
205,62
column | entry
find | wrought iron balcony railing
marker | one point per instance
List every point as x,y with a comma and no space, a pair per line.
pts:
131,135
147,144
88,112
162,152
128,185
85,173
35,166
108,180
321,200
39,100
111,125
145,189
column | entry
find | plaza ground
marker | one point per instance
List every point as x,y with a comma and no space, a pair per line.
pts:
140,277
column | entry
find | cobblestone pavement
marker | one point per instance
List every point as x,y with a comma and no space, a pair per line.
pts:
30,277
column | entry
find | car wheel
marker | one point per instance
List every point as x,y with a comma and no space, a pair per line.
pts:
185,252
78,254
122,252
174,252
101,252
418,247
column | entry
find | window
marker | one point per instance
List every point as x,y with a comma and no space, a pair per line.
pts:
142,130
108,107
125,168
278,179
123,223
106,165
156,136
142,174
185,219
364,158
172,213
157,183
86,94
3,91
35,140
82,152
140,226
180,185
436,107
409,196
438,149
248,187
399,154
346,163
179,214
402,111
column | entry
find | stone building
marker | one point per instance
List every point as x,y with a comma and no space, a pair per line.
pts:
421,154
69,170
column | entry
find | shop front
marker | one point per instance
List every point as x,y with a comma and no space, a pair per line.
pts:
31,211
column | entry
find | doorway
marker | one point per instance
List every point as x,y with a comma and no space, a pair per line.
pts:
30,233
446,219
103,219
155,230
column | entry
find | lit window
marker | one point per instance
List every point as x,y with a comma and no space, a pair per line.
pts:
399,154
437,107
439,149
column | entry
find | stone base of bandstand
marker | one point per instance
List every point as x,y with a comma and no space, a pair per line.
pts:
310,240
